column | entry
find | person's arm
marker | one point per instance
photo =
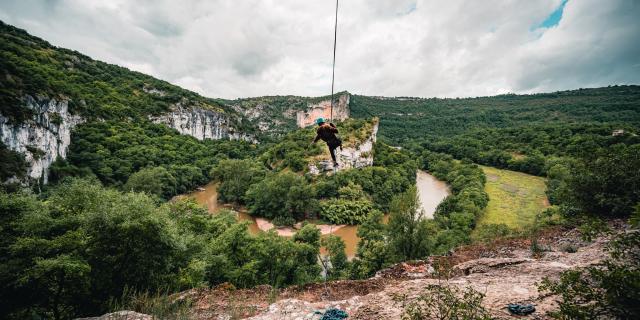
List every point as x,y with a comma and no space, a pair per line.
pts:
317,136
333,128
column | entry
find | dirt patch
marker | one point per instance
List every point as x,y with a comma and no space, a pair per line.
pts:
504,270
334,290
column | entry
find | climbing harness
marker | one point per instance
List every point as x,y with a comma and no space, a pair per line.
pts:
333,71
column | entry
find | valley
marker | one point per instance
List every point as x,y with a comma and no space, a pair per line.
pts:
431,193
120,191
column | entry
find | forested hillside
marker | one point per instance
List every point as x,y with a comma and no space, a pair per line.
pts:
107,229
405,119
96,90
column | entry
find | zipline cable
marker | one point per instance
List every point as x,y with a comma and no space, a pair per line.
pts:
333,72
324,261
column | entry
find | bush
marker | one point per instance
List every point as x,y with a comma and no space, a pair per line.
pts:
444,302
611,290
283,195
12,164
236,176
154,181
489,232
341,211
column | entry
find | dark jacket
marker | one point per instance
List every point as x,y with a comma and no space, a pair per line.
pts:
327,132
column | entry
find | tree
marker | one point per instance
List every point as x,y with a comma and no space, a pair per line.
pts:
284,197
408,231
373,248
12,164
606,183
610,290
154,180
338,258
236,176
309,234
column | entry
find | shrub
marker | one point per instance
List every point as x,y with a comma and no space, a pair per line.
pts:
610,290
284,196
341,211
444,302
489,232
154,180
236,176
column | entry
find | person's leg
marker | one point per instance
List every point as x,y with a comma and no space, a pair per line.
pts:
332,150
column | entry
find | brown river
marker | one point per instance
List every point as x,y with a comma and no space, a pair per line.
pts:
430,192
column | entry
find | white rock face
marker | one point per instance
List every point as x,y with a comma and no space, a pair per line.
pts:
201,124
360,155
323,109
349,158
48,132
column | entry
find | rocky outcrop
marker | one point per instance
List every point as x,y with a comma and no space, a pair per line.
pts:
323,109
201,123
121,315
358,156
44,137
502,280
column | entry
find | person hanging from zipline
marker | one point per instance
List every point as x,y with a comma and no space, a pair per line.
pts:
327,132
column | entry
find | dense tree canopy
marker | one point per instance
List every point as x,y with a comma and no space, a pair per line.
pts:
84,245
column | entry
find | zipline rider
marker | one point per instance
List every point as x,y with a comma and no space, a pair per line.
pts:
327,132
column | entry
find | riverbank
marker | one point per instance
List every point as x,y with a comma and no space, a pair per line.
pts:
431,192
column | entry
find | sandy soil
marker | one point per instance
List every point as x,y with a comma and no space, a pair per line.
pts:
266,225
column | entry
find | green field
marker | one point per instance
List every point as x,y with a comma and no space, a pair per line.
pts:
515,198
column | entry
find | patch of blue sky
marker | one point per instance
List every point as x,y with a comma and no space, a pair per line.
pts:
410,8
553,19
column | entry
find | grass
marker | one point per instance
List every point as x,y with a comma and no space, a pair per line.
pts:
515,198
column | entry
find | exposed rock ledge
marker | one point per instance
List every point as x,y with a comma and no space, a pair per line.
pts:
357,156
201,123
323,109
506,272
121,315
43,138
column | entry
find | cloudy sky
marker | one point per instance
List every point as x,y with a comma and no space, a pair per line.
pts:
446,48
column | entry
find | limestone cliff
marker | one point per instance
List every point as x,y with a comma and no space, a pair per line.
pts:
323,109
44,137
360,155
278,115
201,123
351,155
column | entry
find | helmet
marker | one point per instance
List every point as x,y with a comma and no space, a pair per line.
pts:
320,121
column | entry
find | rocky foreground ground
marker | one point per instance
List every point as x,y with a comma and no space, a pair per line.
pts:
506,271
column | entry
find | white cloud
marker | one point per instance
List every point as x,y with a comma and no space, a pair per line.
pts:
231,48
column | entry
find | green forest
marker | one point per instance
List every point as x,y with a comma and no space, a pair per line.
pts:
108,222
